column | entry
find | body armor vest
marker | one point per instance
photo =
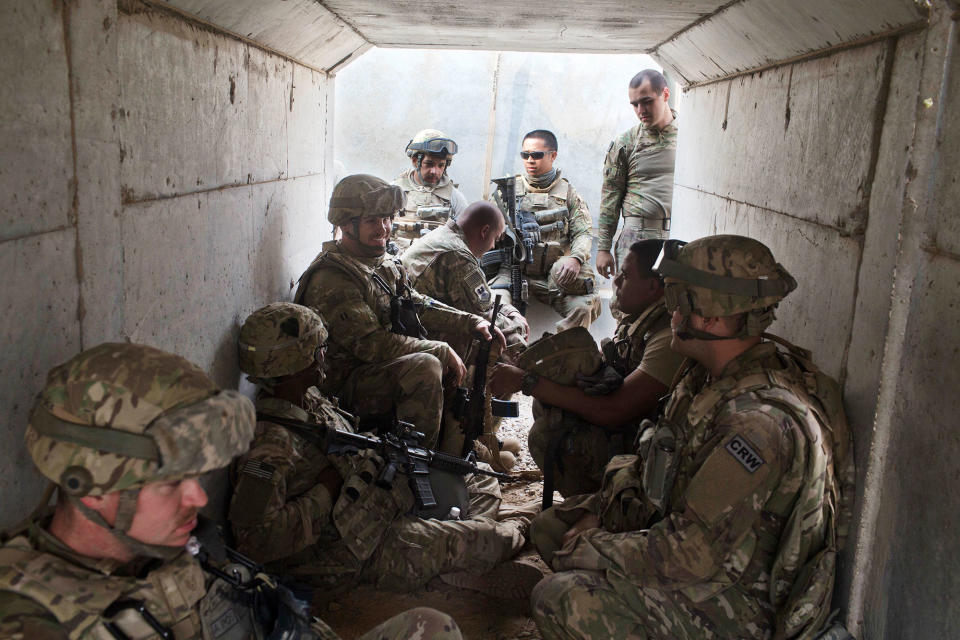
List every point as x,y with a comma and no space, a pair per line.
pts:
625,352
549,207
805,521
84,602
426,208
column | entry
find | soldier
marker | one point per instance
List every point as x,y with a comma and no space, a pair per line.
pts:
445,265
380,359
432,197
606,408
727,522
125,430
638,174
320,517
560,274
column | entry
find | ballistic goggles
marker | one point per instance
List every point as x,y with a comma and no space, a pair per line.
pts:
434,145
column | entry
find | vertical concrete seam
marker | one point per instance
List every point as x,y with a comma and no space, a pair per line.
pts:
73,215
491,129
859,231
906,273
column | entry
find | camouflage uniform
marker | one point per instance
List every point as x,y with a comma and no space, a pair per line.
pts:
283,513
425,207
568,235
584,449
727,522
637,181
371,369
115,419
441,265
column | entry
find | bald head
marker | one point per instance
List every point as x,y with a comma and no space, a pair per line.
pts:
481,223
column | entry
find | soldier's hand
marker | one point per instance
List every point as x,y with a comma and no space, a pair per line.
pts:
605,381
605,263
454,369
504,379
569,269
516,316
588,521
484,329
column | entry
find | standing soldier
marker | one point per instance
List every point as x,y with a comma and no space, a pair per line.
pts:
125,430
559,273
432,197
638,174
728,521
381,360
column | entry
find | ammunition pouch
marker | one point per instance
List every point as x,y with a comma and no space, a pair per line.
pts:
660,459
364,511
623,507
404,320
435,213
543,257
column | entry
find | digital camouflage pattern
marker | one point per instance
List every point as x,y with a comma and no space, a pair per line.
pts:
728,256
568,235
584,449
280,339
427,207
440,265
371,369
637,182
706,542
190,425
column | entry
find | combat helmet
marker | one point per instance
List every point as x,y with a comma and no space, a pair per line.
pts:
280,339
431,141
120,416
723,275
363,195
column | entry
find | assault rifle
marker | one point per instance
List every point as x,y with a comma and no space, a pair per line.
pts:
401,452
469,405
521,234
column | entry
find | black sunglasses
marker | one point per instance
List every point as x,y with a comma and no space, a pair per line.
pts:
536,155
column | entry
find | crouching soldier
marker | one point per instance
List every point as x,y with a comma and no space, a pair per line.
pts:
320,517
579,427
125,430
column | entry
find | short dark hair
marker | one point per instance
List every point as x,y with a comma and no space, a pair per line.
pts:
657,82
547,136
646,252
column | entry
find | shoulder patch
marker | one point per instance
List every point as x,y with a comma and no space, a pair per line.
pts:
258,469
741,450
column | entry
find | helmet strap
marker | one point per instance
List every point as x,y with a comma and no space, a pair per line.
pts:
125,512
685,332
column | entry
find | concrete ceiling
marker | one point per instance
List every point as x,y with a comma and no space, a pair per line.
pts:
699,40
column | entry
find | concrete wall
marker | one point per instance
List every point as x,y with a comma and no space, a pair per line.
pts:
387,95
842,165
160,181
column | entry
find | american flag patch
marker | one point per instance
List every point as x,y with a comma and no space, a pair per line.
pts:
258,469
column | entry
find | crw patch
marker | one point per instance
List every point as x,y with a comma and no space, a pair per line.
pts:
744,454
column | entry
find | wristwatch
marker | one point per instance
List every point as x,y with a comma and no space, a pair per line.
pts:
528,382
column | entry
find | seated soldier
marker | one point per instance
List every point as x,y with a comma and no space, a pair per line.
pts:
432,196
445,265
606,415
558,272
728,521
320,517
125,430
381,361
